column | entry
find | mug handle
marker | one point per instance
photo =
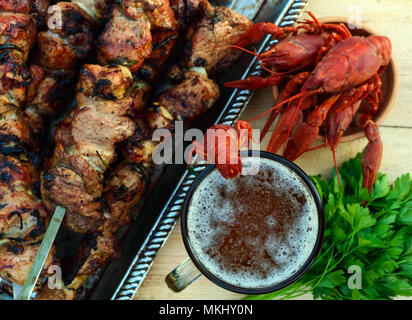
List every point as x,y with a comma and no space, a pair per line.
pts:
182,276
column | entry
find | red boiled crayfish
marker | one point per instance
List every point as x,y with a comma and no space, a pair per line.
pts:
221,146
294,52
346,71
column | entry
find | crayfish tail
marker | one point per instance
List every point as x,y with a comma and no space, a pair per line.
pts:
372,155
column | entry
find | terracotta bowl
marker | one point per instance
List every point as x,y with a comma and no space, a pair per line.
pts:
389,88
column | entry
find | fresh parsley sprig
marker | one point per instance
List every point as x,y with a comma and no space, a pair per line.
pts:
371,231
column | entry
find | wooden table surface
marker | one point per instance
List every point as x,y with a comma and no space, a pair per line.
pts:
392,18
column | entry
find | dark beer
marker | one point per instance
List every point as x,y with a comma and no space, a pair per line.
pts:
255,230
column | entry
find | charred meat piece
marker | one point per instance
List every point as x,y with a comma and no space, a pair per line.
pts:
14,79
55,52
68,39
124,189
158,12
16,260
191,98
56,294
186,11
95,251
209,40
138,148
71,23
163,43
137,28
35,8
96,9
22,215
18,33
45,92
102,82
125,41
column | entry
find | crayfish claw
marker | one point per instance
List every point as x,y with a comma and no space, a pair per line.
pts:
372,155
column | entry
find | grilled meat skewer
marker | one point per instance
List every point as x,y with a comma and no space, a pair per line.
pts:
23,218
69,38
28,96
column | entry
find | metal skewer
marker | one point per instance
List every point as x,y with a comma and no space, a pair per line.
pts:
42,254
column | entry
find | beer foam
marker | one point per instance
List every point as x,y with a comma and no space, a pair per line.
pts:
276,255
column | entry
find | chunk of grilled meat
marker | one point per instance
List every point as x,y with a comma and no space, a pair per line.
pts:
139,148
69,36
186,11
45,93
191,98
35,8
158,12
14,79
96,9
185,101
209,40
22,215
95,251
125,187
163,43
85,146
18,33
127,37
104,82
56,294
16,260
125,41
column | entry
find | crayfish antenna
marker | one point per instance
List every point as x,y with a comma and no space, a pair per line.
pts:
291,124
336,166
245,50
303,93
269,123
